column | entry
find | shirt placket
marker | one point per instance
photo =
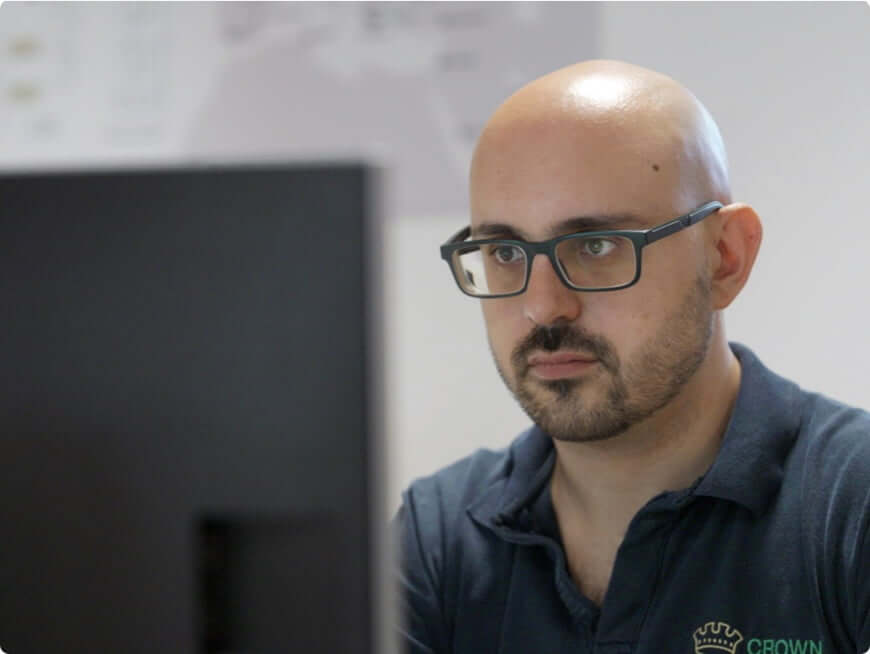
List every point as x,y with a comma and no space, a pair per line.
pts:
636,576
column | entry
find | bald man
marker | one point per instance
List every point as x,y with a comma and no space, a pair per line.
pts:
673,495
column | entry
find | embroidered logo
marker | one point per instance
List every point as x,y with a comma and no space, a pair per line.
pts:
716,637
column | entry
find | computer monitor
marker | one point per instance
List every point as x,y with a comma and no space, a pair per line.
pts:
184,415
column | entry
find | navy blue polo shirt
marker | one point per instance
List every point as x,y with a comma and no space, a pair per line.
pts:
767,553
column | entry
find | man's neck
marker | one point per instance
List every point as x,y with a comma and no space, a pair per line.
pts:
603,484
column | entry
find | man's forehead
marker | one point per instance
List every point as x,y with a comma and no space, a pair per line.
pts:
571,140
554,180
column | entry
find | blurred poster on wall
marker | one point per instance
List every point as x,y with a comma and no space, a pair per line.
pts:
404,85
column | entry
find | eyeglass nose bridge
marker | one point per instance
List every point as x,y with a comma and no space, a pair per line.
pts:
548,250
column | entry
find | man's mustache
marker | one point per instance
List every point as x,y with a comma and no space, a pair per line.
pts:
563,337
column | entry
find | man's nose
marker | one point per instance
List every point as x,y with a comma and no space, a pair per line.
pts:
547,300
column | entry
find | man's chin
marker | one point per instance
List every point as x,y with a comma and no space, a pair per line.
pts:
568,412
541,398
562,388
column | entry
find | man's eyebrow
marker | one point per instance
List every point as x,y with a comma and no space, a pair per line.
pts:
578,224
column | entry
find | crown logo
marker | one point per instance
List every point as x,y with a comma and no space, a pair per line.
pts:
716,637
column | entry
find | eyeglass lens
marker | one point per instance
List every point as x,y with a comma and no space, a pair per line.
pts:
587,262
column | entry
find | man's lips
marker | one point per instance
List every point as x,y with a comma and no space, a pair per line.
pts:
558,365
547,358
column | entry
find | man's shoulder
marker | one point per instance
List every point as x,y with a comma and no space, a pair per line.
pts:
476,488
435,515
833,423
814,438
835,441
826,493
464,482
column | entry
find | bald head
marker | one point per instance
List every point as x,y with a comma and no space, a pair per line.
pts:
639,130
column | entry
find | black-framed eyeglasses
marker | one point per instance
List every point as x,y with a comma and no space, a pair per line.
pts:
584,261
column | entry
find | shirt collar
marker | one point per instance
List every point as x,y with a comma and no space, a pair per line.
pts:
748,469
530,460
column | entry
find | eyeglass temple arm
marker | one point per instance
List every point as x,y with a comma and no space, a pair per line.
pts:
682,222
461,235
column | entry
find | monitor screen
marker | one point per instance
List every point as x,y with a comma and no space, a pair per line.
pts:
184,422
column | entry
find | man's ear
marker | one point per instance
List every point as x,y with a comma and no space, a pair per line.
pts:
736,239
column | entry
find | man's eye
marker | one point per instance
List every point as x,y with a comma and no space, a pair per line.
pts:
597,247
506,253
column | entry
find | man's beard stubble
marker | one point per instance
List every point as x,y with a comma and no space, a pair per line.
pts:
636,388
